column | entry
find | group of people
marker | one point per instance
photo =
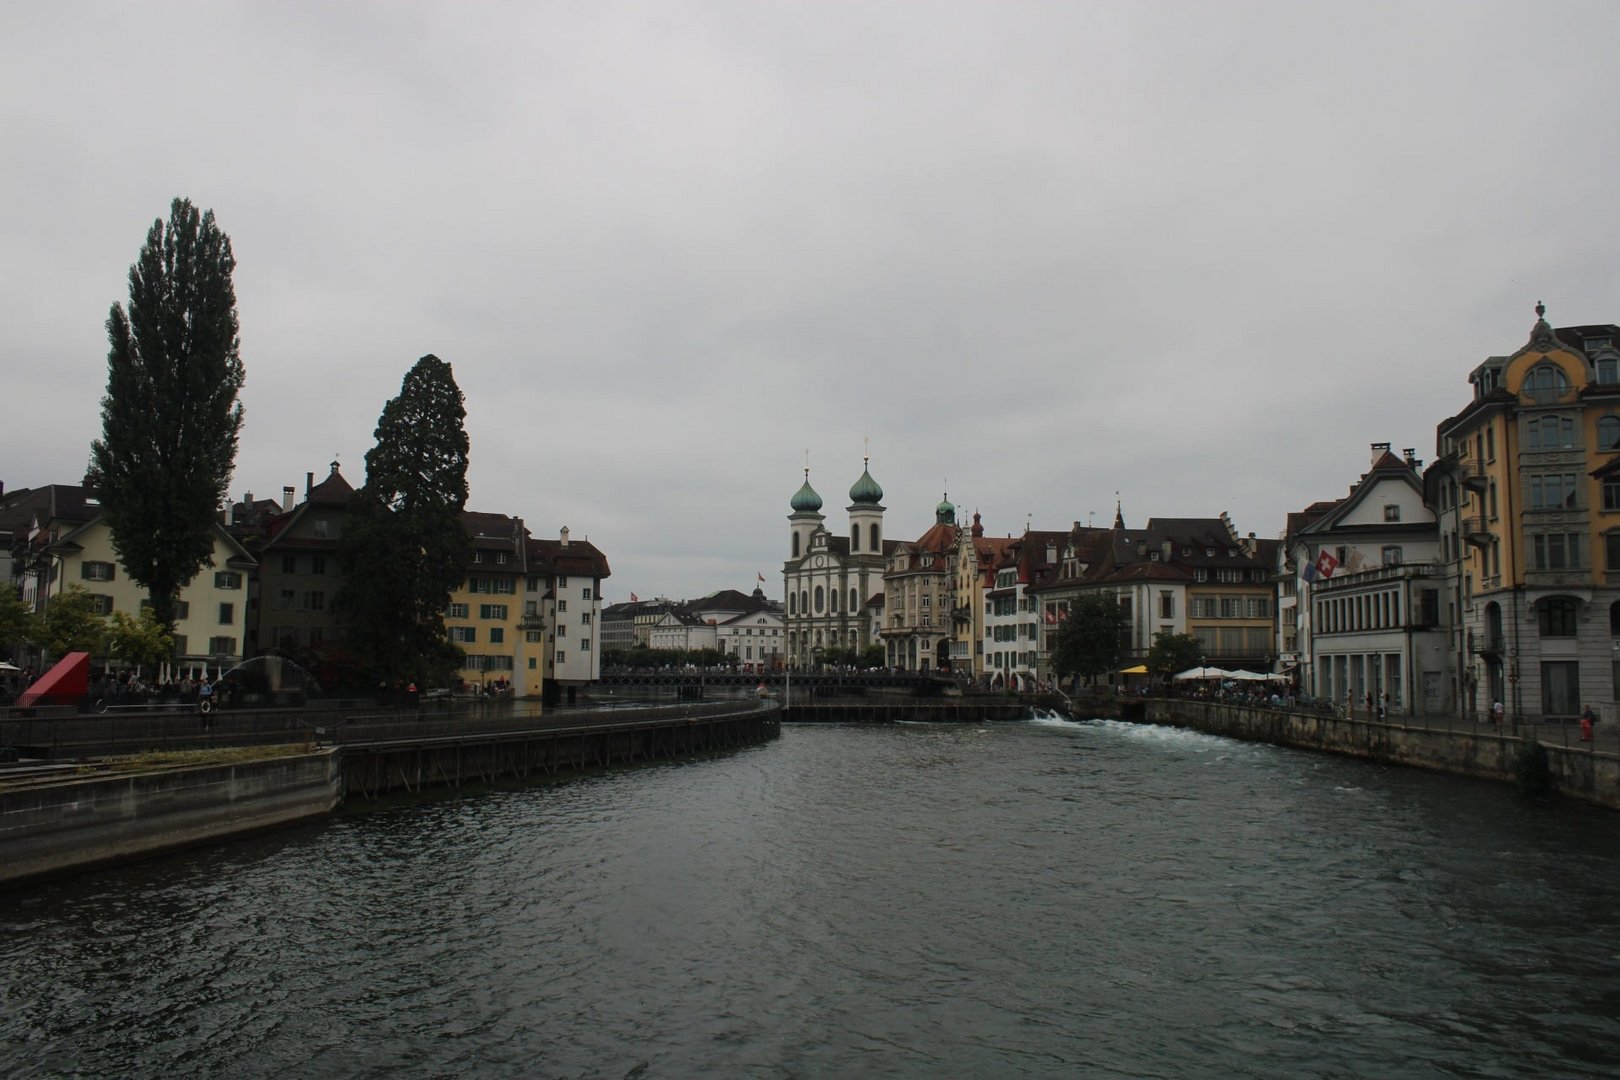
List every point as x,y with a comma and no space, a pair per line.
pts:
128,688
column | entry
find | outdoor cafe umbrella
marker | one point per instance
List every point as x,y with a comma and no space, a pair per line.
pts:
1201,673
7,667
1247,676
1139,669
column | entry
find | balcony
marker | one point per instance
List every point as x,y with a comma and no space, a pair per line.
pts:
1485,642
1472,475
1548,395
532,622
1476,531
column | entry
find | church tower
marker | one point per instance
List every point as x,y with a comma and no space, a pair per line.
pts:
866,514
806,517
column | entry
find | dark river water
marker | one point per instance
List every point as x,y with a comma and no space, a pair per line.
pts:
1041,899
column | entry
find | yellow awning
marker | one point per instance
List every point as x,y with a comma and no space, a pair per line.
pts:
1139,669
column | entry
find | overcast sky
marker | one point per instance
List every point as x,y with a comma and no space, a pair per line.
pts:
1201,254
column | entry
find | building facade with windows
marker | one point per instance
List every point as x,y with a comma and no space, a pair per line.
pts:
1369,585
1011,634
485,613
828,579
920,597
561,626
69,543
301,566
1530,471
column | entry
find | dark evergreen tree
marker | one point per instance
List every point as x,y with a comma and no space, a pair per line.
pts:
406,548
1091,641
170,419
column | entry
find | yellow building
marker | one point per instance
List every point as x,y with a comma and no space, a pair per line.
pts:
1528,493
485,613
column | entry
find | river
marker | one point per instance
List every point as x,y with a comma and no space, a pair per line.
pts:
1044,899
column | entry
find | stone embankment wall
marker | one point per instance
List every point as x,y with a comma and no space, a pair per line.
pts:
62,827
1577,772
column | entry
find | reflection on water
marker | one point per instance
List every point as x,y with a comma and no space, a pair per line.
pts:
1036,899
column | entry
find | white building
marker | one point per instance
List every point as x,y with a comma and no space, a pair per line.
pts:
1369,593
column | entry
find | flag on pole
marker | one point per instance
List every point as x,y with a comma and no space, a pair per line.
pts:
1326,564
760,576
634,599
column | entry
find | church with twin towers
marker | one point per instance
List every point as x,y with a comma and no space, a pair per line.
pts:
833,581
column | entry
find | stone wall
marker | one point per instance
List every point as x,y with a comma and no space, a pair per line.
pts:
63,827
1578,773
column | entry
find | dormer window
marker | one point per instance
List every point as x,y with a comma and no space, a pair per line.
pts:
1608,369
1392,512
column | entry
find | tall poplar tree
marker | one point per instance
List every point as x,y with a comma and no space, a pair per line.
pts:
170,419
406,548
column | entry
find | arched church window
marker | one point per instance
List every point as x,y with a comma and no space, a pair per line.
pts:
793,603
873,534
820,599
795,545
854,600
855,537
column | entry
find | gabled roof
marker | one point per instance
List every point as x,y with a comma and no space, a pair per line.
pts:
728,600
67,503
579,557
333,491
240,555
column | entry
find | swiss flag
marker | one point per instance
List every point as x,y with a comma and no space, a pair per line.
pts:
1326,564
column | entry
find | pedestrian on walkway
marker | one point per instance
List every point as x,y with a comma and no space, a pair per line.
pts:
1587,720
1496,715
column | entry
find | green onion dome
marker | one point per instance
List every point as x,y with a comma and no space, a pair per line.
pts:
945,511
866,491
805,500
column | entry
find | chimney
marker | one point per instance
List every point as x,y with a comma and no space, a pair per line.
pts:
247,502
565,536
1165,547
230,513
309,484
1051,551
288,494
1379,449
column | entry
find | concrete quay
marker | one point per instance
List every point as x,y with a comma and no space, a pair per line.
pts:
68,823
1587,771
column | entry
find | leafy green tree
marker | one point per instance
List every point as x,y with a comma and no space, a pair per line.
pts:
1091,640
71,623
170,419
17,622
404,537
873,656
139,640
1172,653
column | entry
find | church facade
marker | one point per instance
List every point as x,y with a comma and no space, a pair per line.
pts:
829,579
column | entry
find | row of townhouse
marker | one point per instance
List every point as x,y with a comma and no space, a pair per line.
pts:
527,612
746,628
986,607
1490,577
1493,575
